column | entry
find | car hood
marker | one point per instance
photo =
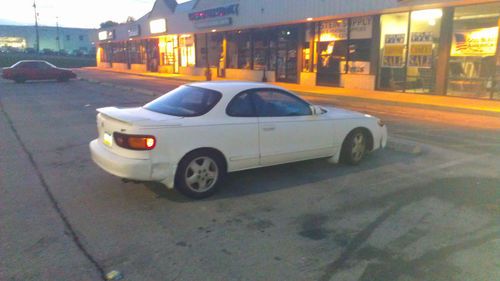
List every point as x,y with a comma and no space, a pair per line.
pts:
340,113
140,116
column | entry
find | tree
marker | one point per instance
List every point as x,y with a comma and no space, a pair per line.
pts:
108,23
130,19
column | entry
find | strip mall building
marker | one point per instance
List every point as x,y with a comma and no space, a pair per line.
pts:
431,47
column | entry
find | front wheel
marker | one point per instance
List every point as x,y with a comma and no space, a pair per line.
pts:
354,147
63,78
199,174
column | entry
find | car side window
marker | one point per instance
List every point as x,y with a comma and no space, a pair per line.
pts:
23,65
42,65
276,103
241,106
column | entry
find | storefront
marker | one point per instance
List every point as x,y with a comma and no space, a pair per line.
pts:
389,45
474,64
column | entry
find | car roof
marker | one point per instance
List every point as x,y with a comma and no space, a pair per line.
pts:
32,61
233,87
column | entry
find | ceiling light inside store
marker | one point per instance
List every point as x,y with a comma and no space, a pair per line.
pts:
430,16
309,19
214,30
427,14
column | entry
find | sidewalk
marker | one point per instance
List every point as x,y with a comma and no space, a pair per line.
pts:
417,99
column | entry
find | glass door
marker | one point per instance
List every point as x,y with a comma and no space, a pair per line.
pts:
286,58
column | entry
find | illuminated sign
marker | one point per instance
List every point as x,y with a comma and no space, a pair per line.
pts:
333,30
215,12
134,30
477,42
106,35
158,26
213,23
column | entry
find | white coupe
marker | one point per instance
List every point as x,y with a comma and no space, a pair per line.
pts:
192,136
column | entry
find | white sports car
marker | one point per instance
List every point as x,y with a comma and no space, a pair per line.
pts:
192,136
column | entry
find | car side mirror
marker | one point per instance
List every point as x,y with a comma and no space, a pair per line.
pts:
316,110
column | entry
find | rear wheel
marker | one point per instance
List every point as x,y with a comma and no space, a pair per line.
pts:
199,174
19,79
354,147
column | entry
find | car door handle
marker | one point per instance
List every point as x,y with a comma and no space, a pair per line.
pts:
268,128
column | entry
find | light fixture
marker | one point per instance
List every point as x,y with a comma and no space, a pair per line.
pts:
214,30
309,19
158,26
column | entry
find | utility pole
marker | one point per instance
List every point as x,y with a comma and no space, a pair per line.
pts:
58,37
36,30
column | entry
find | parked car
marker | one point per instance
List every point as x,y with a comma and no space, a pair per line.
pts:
36,70
192,136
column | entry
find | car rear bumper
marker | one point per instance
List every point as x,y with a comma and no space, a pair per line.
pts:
135,169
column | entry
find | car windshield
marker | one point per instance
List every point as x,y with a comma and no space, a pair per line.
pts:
185,101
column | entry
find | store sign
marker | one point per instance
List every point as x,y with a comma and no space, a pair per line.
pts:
333,30
359,67
134,30
106,35
215,12
420,50
394,49
213,23
478,42
361,28
158,26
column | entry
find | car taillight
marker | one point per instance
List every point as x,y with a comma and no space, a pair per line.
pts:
135,142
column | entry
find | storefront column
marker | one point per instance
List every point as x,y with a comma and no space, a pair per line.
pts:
444,51
300,45
223,60
375,50
312,50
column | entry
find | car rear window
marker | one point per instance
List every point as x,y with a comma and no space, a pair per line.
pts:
185,101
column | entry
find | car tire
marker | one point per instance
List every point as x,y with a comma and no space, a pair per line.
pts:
354,147
200,173
19,79
63,78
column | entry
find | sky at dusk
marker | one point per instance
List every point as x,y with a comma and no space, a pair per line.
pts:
73,13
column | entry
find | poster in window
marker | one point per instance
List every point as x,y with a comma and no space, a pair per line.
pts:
394,49
478,42
420,50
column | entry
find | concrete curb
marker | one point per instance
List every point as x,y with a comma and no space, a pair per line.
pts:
125,88
403,145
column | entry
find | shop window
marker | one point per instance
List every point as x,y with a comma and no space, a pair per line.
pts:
425,27
119,52
344,48
474,65
408,60
187,48
261,49
239,50
393,41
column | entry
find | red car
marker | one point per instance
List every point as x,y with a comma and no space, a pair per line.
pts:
36,70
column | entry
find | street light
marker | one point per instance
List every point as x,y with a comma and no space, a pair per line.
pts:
58,38
36,30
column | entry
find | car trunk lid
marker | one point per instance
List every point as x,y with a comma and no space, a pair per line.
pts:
135,121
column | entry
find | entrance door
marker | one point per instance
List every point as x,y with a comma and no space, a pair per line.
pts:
330,67
286,60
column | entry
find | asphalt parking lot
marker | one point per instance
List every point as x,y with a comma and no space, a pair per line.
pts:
433,215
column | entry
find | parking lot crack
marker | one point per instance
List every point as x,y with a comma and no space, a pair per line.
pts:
67,224
357,242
